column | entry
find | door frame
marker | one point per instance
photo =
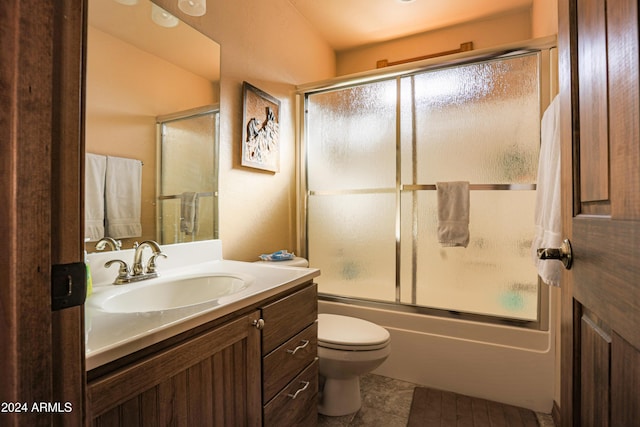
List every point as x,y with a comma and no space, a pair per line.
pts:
567,45
41,165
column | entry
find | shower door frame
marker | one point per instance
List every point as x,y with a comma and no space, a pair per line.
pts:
548,88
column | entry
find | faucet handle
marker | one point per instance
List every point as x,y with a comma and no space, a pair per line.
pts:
123,271
151,265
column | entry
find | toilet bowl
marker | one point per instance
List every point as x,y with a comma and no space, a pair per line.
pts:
348,347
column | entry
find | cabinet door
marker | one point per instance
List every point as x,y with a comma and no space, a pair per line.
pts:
210,380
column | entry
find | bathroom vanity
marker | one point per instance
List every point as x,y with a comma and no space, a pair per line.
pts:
245,359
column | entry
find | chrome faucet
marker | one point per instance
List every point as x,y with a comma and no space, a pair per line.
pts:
114,245
137,271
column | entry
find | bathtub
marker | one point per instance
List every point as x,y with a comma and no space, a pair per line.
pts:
507,364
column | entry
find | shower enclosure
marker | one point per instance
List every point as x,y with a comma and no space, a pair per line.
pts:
374,148
187,181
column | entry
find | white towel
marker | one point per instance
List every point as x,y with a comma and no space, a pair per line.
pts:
453,213
189,212
94,177
548,219
123,196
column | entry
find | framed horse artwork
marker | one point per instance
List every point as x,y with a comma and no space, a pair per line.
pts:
261,129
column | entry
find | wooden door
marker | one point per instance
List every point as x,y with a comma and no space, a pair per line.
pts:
600,369
41,352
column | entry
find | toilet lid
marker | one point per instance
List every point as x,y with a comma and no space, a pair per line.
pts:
344,332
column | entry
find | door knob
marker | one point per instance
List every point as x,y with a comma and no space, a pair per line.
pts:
563,253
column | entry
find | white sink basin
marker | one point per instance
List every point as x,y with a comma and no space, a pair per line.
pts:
159,295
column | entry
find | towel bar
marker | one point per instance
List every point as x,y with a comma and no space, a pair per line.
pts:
483,187
177,196
418,187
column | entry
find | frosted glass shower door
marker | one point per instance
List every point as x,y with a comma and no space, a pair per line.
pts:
478,123
374,154
351,175
187,164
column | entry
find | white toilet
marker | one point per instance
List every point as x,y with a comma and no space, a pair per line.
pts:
348,347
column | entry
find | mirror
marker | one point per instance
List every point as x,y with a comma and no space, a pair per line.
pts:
141,76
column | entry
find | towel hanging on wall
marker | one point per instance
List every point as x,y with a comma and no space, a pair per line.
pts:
548,218
123,196
94,180
453,213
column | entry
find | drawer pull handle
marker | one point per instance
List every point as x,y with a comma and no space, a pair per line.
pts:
300,347
300,390
258,324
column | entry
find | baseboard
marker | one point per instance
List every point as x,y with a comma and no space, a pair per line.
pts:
555,413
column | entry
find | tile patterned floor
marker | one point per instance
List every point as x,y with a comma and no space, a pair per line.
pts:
386,403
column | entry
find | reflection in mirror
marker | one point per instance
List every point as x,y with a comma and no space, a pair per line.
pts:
186,184
139,72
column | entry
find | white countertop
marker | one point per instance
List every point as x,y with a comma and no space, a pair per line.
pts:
110,336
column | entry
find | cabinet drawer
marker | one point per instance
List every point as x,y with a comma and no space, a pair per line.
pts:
296,404
288,316
285,362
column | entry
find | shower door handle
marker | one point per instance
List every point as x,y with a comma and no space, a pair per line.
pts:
564,253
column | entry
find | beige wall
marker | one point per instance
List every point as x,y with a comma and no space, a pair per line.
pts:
544,18
123,100
538,21
270,45
484,33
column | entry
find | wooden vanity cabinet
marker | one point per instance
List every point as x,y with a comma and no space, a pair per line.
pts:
209,380
289,365
227,374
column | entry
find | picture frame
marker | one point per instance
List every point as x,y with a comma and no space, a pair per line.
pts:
261,129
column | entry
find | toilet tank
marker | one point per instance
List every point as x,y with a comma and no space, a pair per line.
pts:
295,262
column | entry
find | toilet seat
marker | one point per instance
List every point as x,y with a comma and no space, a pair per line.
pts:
350,333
